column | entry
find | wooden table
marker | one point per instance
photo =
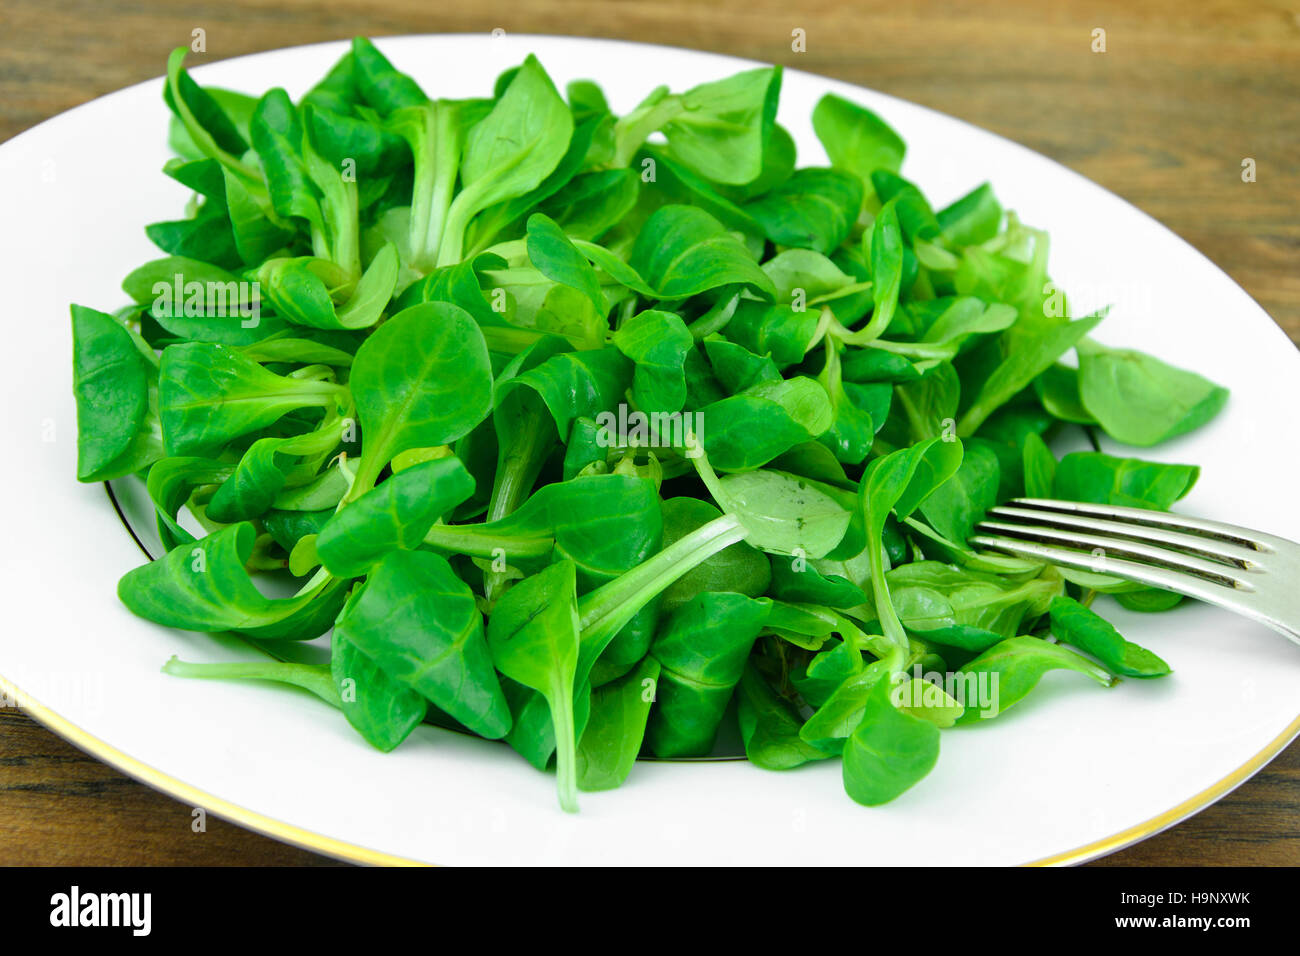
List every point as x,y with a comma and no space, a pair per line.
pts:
1184,92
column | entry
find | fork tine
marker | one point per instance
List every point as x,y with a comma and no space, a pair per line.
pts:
1214,549
1118,547
1233,534
1120,567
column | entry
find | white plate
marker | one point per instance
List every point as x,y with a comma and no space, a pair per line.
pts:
1071,773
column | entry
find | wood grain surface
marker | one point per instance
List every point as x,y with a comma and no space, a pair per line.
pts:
1184,92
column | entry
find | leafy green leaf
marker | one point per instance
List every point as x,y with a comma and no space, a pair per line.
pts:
509,152
889,752
418,621
204,586
1018,663
533,636
702,648
1031,356
422,378
1131,482
209,394
1090,632
682,251
1140,400
111,379
657,342
813,209
396,515
770,726
383,710
856,139
612,739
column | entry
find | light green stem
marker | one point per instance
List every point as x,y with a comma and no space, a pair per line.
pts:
315,678
444,149
566,756
470,540
603,612
889,621
632,130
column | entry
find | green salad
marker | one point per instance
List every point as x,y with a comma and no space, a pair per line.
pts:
611,435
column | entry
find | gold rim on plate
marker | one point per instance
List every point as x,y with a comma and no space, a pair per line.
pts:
353,853
185,793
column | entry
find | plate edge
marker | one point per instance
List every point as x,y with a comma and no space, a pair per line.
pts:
187,793
1180,812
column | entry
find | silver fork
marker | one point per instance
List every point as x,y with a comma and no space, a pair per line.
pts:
1254,574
